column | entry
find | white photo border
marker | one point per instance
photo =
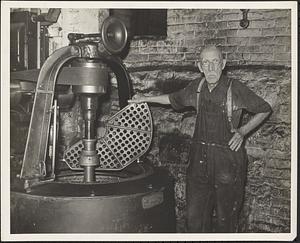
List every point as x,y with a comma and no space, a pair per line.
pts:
5,123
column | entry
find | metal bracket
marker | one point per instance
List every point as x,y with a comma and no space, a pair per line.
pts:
52,153
244,23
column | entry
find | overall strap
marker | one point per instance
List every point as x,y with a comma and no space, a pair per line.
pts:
198,92
229,105
229,102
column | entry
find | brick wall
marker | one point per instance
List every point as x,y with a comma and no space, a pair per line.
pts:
258,56
266,41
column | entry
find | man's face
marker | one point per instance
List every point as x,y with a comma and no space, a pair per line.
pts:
211,64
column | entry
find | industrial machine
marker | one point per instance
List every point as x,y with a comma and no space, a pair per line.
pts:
98,183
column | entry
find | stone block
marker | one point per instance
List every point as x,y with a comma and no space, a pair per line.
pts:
218,25
283,21
205,33
235,56
191,56
249,32
248,49
229,48
271,48
277,31
225,11
194,42
214,25
282,56
233,24
167,50
265,40
268,23
277,173
259,14
147,49
187,76
282,40
190,28
277,193
188,123
227,33
261,56
239,41
165,57
174,148
229,16
272,138
175,30
189,17
137,57
166,120
215,41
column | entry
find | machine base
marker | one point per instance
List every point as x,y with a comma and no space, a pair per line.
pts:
144,204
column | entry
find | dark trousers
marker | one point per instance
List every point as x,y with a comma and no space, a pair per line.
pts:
216,185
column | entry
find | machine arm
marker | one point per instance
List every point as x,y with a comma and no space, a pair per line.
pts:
36,146
123,79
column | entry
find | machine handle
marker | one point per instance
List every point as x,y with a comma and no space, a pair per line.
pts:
77,36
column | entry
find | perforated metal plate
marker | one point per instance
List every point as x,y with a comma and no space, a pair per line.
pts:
127,137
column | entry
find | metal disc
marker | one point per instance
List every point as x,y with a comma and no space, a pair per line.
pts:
114,35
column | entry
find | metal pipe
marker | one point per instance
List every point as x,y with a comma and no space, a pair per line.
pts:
89,174
18,47
38,37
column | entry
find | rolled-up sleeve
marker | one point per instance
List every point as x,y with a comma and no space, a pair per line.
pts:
250,101
186,97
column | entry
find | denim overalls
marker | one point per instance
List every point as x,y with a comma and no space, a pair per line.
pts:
216,174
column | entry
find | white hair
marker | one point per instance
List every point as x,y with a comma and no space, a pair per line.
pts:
211,47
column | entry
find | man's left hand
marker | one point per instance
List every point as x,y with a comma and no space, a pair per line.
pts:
236,141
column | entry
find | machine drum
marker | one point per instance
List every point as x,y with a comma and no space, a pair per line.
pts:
143,203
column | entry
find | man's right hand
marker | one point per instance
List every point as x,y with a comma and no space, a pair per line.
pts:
138,98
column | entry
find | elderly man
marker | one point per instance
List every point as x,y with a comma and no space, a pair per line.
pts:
218,161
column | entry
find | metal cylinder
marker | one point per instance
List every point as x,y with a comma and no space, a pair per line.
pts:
89,174
100,81
89,144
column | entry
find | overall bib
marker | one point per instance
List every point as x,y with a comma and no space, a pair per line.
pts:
216,174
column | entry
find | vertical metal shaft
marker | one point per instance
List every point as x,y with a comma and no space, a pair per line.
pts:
89,159
89,129
89,93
